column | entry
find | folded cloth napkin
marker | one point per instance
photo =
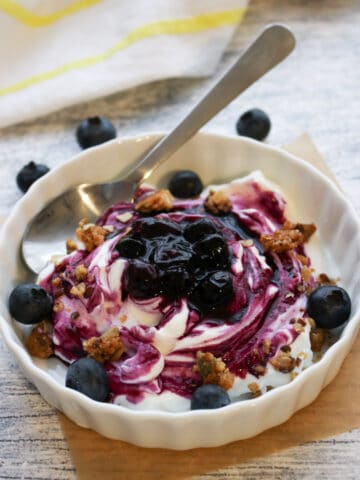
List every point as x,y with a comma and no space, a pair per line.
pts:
55,54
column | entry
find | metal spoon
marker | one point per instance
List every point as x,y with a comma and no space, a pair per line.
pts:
47,231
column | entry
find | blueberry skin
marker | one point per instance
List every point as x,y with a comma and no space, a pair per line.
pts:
29,303
209,396
329,306
89,377
130,248
141,280
94,131
185,184
29,174
254,123
199,229
212,292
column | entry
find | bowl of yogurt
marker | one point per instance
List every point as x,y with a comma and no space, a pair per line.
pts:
189,322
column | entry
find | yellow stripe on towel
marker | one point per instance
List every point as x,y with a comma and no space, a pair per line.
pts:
30,19
180,26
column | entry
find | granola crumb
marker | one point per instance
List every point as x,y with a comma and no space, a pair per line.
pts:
317,339
58,306
306,273
71,246
260,369
283,362
90,235
254,389
80,272
124,217
160,201
289,237
323,279
266,346
217,202
213,370
269,387
56,281
107,347
78,290
123,318
39,343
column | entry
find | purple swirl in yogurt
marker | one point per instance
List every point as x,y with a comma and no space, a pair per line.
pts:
185,281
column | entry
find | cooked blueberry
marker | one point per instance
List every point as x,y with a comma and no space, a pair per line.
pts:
141,280
29,303
174,252
89,377
329,306
209,396
94,131
214,291
130,248
185,184
254,123
213,251
150,227
199,229
29,174
174,282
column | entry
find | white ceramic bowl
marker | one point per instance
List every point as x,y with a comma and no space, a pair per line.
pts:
312,198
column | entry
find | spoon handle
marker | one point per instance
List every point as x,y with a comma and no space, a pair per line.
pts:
270,48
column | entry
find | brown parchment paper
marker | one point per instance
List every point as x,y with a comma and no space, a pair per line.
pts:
336,410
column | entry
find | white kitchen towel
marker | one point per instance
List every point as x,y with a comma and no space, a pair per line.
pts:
57,53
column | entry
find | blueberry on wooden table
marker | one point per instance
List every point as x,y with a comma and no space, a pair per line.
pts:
254,123
94,131
209,396
329,306
89,377
185,184
29,174
29,303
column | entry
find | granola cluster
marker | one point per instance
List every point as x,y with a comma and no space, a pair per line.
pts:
91,235
217,202
213,370
106,348
160,201
291,236
39,343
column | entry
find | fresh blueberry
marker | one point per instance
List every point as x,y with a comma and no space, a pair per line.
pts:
213,251
89,377
185,184
199,229
209,396
150,227
175,252
254,123
94,131
329,306
141,280
29,303
212,292
29,174
130,248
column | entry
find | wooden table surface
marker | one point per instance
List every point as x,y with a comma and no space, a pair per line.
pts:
316,90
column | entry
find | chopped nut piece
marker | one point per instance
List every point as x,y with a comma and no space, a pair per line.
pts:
80,272
260,369
289,237
109,228
302,259
317,339
160,201
213,370
58,306
78,290
124,217
283,362
123,318
247,243
269,387
56,281
70,246
39,343
91,235
299,325
217,202
108,347
254,389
